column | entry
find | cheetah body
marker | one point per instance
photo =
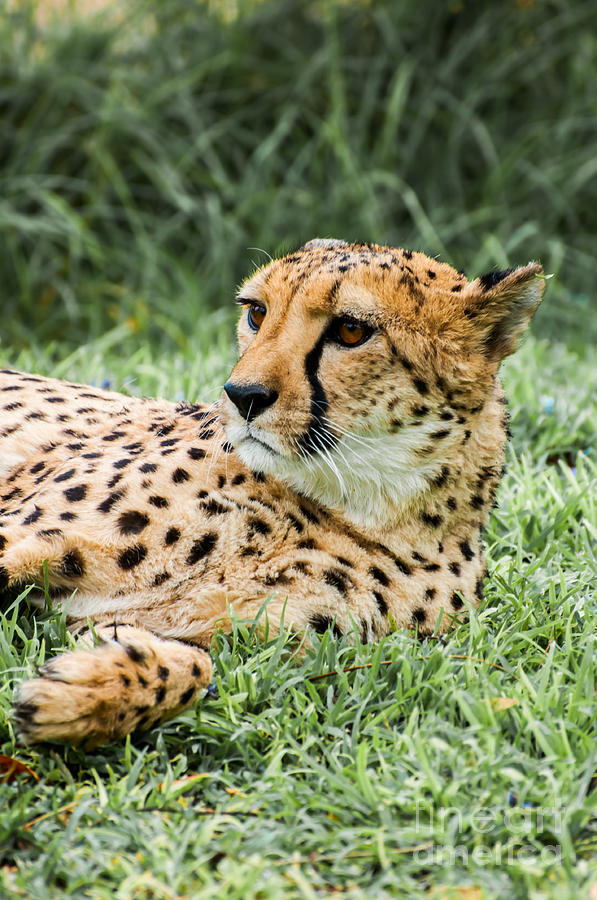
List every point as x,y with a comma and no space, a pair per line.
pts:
355,496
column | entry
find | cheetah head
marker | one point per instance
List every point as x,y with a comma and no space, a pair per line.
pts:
362,368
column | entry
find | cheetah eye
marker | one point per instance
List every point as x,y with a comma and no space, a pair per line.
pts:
350,333
255,316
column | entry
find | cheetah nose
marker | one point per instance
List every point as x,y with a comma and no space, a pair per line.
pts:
250,399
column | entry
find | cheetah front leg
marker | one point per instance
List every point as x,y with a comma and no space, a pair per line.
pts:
131,681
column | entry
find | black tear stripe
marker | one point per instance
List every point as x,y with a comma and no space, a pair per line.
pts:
317,436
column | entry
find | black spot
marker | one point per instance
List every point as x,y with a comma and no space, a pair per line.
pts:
4,578
55,399
408,254
438,435
160,578
91,455
344,562
169,442
75,446
135,655
430,593
107,504
419,615
446,416
186,696
37,468
431,520
456,601
115,479
202,547
65,475
454,568
213,507
258,476
417,557
477,501
456,288
195,671
467,435
421,386
239,479
160,502
336,579
163,673
492,278
379,575
160,694
259,525
479,589
74,494
172,535
381,603
49,532
125,680
148,467
2,542
451,503
132,556
465,549
221,481
72,565
179,475
431,567
206,434
114,435
320,624
441,478
309,515
122,463
33,517
132,522
296,523
431,273
68,516
301,567
308,544
404,568
420,410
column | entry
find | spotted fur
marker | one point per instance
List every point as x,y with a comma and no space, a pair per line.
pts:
347,486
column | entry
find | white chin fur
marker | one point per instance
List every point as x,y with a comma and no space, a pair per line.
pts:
370,485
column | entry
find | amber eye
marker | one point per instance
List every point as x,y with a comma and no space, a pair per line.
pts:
350,333
255,316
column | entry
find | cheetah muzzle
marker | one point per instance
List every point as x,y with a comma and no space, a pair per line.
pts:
344,477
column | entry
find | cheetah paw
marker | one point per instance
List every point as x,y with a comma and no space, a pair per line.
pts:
121,686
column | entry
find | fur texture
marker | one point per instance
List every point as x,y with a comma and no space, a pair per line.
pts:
345,476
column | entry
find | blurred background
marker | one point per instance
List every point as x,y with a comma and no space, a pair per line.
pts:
151,154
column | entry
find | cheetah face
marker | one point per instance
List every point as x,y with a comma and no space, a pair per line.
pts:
362,366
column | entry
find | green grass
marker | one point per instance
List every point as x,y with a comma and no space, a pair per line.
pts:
142,159
291,784
140,162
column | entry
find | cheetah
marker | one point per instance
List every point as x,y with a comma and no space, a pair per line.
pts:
343,479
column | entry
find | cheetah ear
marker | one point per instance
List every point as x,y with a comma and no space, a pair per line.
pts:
328,243
500,306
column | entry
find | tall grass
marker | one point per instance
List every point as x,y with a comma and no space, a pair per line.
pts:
145,155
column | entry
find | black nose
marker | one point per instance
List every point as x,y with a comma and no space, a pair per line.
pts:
250,399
